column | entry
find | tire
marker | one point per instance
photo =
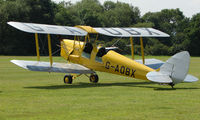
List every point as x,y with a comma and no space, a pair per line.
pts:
68,79
94,78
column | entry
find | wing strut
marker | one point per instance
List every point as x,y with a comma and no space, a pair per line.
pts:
74,42
142,49
132,47
50,52
88,37
37,47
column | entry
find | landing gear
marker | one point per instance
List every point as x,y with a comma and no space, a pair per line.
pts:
172,85
94,78
68,79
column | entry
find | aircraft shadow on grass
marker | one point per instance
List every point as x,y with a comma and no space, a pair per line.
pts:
168,88
89,85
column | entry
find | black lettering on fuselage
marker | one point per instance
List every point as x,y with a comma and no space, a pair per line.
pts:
127,71
33,27
117,68
107,65
112,31
131,31
133,73
112,67
122,69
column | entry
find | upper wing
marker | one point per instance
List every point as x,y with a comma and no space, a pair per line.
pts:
152,63
48,29
75,31
56,67
131,32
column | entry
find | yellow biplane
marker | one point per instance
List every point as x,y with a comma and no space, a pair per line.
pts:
85,57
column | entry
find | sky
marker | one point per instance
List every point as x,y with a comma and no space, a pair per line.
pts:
188,7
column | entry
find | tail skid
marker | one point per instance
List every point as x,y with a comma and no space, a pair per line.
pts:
174,70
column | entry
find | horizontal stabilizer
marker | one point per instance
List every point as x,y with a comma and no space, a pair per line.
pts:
190,78
158,77
174,70
48,29
152,63
131,32
56,67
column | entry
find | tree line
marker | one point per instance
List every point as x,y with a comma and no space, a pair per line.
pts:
184,32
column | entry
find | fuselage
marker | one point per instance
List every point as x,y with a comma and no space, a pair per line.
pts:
98,59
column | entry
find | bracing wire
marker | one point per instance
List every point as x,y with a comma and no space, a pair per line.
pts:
43,43
55,52
113,45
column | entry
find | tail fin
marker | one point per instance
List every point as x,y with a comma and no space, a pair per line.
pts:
176,68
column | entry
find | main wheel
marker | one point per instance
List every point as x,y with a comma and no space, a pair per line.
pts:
172,85
68,79
94,78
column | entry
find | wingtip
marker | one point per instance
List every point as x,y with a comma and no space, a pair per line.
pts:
190,78
18,63
13,61
10,22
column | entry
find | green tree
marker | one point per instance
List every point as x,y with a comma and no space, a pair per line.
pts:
173,22
119,14
66,15
13,41
194,35
89,12
40,11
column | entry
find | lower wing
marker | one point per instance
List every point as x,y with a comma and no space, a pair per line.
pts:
56,67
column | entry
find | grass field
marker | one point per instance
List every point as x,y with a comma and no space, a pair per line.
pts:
26,95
